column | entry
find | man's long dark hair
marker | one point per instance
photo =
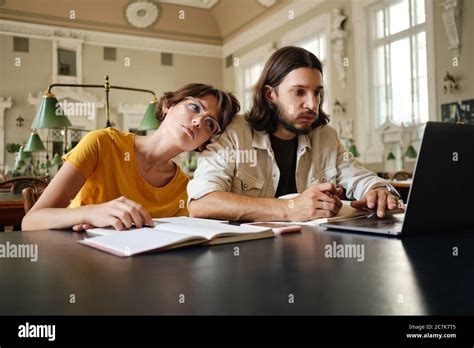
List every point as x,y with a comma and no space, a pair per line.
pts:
262,116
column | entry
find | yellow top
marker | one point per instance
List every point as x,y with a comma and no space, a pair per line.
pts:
106,158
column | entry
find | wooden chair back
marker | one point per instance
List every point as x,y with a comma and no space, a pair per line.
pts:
29,187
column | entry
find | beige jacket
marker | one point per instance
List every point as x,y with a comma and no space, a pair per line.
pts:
242,161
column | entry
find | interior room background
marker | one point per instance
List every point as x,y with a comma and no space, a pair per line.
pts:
390,66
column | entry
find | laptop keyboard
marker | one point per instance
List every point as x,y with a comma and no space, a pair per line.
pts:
391,222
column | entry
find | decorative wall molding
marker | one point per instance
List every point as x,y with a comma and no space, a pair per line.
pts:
89,37
72,44
266,3
339,37
142,14
132,115
320,24
395,140
268,24
452,23
5,103
206,4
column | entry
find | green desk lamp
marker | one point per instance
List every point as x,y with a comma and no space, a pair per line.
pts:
411,152
34,144
51,115
57,161
149,120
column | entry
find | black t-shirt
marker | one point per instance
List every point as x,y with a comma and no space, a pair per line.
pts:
285,156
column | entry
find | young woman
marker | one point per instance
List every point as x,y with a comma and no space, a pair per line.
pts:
115,179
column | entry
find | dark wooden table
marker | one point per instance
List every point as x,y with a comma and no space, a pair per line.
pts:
11,210
283,275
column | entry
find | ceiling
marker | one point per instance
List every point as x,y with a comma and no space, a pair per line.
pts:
203,21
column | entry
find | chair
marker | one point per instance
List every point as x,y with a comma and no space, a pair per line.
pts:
30,189
30,196
401,176
16,185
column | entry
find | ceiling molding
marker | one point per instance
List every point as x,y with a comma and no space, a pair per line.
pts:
90,37
268,24
125,29
266,3
206,4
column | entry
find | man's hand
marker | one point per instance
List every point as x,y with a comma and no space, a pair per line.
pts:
318,201
378,199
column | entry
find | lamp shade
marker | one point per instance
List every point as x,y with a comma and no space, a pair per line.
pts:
353,150
56,160
34,143
22,154
411,152
149,120
50,114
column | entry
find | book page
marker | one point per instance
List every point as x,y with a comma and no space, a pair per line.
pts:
187,226
208,231
136,241
183,220
189,220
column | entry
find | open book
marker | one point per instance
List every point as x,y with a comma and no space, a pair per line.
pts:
345,213
171,235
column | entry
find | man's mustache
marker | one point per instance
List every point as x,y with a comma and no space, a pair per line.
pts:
308,114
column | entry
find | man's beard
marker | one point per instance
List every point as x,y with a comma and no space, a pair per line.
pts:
284,121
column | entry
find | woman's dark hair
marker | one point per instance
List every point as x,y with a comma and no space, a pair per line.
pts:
226,102
262,116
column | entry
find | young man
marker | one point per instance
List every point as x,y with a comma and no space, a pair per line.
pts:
283,146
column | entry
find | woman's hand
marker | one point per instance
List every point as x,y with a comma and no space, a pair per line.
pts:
119,213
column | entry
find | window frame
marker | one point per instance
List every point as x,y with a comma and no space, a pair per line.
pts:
258,55
367,138
384,42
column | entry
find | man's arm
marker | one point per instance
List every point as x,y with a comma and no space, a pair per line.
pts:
231,206
318,201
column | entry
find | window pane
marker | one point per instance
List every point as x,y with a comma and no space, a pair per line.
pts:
379,25
247,79
419,6
66,62
322,48
421,79
379,84
312,46
400,87
247,100
255,74
399,16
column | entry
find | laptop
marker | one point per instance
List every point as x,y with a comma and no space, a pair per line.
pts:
442,192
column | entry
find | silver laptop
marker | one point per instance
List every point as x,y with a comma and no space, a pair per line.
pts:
440,195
